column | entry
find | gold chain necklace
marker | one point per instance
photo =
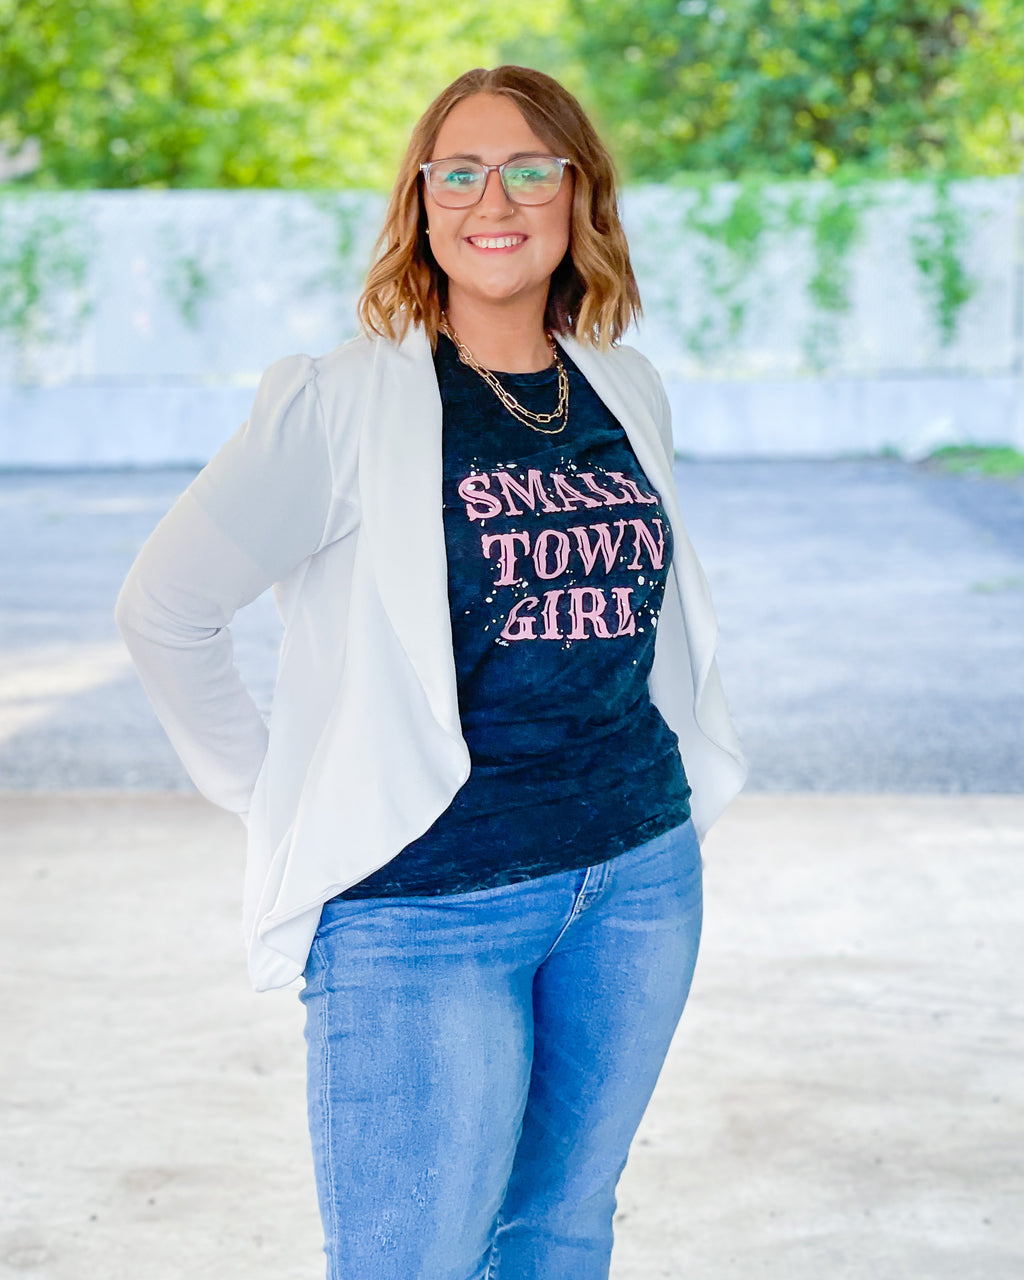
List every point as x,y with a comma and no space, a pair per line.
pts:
518,411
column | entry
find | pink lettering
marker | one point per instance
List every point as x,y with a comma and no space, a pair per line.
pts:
507,543
561,553
608,498
569,495
520,625
602,546
479,504
627,623
531,494
631,488
580,613
656,550
551,631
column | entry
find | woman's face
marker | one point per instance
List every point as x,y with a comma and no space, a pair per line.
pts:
496,252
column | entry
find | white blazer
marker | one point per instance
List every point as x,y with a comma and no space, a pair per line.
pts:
331,492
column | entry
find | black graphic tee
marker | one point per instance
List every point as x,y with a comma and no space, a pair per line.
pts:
558,550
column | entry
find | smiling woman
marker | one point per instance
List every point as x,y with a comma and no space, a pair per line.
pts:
497,254
497,726
593,292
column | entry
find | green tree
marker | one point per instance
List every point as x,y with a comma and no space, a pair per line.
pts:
233,93
796,87
992,74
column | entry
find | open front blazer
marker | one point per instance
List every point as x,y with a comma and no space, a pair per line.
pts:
331,492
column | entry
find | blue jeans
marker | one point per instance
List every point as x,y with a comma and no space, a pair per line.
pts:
479,1063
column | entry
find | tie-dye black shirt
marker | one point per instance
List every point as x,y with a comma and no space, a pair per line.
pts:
558,550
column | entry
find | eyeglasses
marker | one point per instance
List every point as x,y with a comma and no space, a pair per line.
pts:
459,183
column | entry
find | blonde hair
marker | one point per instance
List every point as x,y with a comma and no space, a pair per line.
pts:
593,293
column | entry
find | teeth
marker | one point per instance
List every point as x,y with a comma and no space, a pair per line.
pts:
496,242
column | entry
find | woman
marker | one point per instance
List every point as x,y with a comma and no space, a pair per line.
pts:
471,825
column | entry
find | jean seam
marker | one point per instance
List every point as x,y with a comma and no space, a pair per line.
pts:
576,911
325,1102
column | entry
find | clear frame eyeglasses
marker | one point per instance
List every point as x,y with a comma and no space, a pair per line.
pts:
459,183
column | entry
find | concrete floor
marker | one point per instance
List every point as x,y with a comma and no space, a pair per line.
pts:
844,1099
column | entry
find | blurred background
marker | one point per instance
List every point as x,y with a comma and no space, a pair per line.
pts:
825,204
824,201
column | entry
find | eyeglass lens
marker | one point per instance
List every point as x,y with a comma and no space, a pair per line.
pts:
526,179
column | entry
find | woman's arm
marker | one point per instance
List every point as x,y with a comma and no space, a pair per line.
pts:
257,510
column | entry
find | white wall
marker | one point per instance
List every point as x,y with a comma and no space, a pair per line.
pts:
189,295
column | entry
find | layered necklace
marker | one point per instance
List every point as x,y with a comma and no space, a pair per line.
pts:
535,421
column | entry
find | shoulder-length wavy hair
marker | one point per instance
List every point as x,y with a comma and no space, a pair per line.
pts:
593,293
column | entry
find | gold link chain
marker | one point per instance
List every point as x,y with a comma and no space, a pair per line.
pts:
518,411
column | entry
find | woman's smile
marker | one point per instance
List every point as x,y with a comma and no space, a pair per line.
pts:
493,244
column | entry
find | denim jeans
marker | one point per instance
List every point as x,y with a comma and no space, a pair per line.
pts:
479,1063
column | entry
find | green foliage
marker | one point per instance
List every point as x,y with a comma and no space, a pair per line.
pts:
998,461
723,224
800,87
190,284
991,133
345,218
241,93
836,225
234,93
729,226
43,269
936,242
732,223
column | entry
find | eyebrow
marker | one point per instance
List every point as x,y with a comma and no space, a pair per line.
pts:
466,155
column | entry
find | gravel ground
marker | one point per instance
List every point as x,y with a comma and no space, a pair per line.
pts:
872,618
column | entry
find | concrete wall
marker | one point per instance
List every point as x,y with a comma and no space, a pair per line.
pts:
134,325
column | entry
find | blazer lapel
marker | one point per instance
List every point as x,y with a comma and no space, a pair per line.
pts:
400,482
617,391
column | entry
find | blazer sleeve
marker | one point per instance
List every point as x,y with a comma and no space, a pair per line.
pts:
256,511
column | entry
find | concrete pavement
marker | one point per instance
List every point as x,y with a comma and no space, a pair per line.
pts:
872,619
844,1099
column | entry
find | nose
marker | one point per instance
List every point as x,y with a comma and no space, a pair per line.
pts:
494,200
